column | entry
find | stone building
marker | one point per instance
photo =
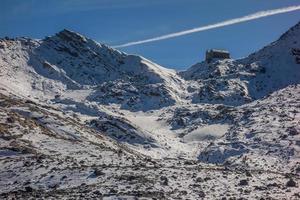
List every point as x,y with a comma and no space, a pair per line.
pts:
216,54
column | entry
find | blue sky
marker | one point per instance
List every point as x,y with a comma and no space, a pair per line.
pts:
120,21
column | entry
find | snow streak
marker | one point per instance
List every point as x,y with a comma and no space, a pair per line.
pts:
253,16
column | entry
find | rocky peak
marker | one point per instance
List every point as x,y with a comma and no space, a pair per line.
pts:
68,36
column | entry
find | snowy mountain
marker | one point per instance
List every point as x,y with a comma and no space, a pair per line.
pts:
239,81
82,120
69,61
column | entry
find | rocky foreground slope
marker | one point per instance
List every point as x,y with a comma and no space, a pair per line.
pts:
82,120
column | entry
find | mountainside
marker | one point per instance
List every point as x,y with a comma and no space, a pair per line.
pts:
82,120
236,82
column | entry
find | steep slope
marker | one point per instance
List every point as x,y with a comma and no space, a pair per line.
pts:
236,82
278,64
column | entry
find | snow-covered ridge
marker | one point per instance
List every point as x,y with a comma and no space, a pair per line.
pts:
68,61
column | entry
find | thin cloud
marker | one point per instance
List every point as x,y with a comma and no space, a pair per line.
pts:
253,16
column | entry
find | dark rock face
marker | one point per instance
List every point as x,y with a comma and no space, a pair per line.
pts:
243,182
291,183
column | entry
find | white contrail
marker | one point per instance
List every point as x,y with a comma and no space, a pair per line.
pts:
217,25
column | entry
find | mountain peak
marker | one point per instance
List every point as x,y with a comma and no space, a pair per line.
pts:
69,35
293,31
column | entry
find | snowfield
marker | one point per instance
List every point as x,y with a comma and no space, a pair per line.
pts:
81,120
